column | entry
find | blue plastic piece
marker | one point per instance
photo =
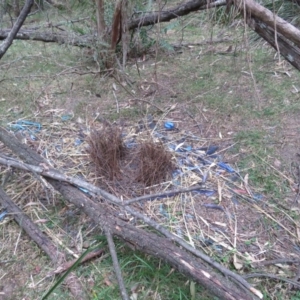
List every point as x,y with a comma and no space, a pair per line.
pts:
25,125
29,123
3,215
211,150
66,117
226,167
84,190
169,125
78,142
258,197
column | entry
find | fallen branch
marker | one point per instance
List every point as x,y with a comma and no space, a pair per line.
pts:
43,242
108,218
290,52
116,264
161,195
13,32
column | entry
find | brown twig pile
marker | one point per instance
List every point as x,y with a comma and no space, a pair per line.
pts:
106,149
152,162
155,163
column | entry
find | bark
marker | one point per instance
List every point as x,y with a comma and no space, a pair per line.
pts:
11,35
277,41
107,218
166,16
254,10
100,18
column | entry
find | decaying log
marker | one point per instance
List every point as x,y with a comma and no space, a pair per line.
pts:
148,242
57,257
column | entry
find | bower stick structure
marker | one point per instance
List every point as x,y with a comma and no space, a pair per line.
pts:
169,248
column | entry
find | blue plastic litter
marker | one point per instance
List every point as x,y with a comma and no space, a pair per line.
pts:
38,126
78,142
209,150
257,197
226,167
66,117
33,137
3,215
169,125
26,125
84,190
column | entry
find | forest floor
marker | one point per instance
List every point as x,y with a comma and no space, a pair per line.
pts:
219,89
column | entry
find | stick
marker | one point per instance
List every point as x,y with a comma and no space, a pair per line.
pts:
44,170
161,195
116,265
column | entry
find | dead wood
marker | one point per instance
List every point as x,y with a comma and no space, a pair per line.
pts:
13,32
168,15
43,242
284,47
186,261
116,264
260,19
252,9
49,37
100,18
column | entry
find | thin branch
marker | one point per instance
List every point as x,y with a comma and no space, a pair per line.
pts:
44,170
116,265
161,195
10,37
